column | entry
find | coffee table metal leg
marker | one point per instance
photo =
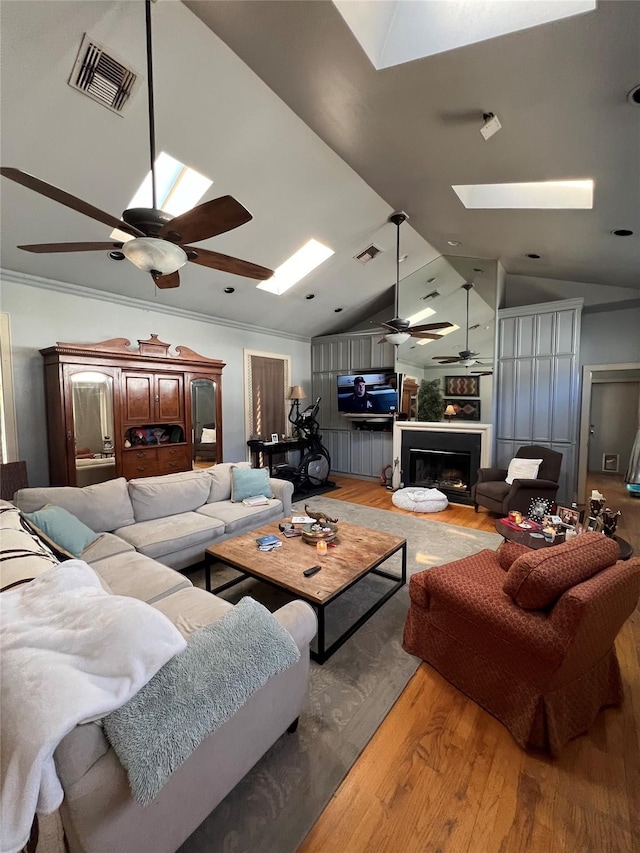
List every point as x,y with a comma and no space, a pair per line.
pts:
319,656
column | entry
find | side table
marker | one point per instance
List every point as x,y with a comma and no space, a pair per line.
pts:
524,537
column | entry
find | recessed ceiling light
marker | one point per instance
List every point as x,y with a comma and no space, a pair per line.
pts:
622,232
429,280
454,242
477,269
634,96
337,310
531,195
310,296
532,255
295,268
116,256
229,290
402,258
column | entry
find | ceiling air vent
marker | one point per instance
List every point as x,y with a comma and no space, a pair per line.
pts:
368,254
99,75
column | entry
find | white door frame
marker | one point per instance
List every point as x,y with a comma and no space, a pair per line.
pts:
590,374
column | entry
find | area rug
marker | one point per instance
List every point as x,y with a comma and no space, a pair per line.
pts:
277,803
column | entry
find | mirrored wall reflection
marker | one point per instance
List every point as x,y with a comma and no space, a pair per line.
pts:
93,426
204,419
435,293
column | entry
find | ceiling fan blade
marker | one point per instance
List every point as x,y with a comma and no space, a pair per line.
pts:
429,327
446,360
482,372
42,248
382,341
206,220
427,335
216,261
62,197
164,282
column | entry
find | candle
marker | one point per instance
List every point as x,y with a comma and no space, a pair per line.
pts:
321,547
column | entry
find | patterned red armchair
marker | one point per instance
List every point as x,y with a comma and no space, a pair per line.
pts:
529,635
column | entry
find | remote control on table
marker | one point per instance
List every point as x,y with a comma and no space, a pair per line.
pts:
308,572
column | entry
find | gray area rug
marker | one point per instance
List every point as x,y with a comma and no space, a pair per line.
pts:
280,799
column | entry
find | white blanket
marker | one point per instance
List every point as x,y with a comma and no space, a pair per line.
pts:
71,653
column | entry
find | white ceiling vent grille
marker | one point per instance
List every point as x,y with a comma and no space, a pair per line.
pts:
99,75
368,254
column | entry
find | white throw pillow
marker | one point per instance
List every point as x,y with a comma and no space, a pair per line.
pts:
208,435
522,469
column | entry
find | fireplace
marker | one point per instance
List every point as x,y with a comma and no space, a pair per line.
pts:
442,459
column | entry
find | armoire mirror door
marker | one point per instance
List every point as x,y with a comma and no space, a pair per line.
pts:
205,421
92,427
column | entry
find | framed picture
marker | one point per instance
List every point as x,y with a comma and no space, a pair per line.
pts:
462,386
274,437
465,410
568,515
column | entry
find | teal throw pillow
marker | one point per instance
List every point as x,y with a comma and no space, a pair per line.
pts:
249,482
62,531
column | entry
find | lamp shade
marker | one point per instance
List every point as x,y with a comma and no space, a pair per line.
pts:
296,393
450,411
152,253
397,338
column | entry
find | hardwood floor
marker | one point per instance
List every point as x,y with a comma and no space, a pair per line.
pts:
441,774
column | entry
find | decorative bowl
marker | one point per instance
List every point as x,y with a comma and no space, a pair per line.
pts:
312,533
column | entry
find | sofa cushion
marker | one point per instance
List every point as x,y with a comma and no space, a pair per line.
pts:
238,517
538,578
193,608
140,577
106,545
509,552
249,483
220,480
61,530
162,536
102,506
169,494
24,555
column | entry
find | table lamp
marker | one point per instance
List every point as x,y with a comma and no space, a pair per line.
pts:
296,393
450,412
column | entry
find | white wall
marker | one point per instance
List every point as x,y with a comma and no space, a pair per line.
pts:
41,316
610,337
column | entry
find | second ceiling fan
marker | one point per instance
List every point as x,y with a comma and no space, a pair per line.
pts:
466,358
160,244
397,330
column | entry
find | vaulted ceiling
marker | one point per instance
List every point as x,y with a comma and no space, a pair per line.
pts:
278,104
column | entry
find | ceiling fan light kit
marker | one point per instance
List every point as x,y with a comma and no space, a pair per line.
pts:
159,245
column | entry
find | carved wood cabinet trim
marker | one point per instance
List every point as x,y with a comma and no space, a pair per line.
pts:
151,387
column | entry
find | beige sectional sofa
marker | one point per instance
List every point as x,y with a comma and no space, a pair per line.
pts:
147,526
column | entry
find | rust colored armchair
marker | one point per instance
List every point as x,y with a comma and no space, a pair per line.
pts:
529,635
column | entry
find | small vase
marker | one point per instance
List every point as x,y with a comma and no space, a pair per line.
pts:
610,522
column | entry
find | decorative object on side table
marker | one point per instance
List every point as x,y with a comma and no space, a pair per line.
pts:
569,515
609,521
538,508
322,528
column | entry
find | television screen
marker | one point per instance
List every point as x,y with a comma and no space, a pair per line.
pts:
368,393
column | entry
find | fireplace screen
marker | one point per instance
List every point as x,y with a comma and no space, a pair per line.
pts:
440,469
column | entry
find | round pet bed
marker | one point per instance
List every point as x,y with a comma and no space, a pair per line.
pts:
420,500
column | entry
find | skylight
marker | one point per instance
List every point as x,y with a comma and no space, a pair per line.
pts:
541,195
420,315
178,189
447,331
293,270
398,31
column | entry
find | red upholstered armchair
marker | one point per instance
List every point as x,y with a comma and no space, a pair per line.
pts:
529,635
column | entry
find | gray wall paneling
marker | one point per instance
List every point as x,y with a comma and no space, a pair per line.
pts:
538,384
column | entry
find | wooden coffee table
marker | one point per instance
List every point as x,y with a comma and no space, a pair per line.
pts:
359,551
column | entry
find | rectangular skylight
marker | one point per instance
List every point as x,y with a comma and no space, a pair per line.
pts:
422,341
420,315
541,195
178,189
310,256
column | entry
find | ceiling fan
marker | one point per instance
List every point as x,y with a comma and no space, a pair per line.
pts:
466,357
400,330
160,240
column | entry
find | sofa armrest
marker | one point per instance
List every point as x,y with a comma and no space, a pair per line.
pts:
300,620
283,491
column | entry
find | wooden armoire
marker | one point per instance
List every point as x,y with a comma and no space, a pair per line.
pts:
113,411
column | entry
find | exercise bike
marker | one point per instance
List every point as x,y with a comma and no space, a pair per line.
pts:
315,464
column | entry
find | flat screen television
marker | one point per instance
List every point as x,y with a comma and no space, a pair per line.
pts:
368,393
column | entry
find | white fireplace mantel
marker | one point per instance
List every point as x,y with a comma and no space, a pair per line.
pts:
470,427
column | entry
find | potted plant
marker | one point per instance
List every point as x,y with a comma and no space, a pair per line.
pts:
430,401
